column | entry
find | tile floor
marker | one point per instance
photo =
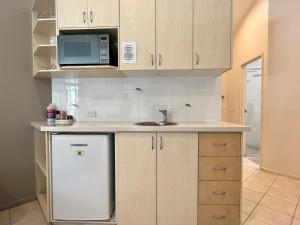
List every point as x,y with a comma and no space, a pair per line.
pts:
267,200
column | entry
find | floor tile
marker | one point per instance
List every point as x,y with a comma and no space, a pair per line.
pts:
247,208
23,211
263,178
297,213
255,186
290,185
4,217
263,215
247,172
284,207
252,196
282,194
296,222
249,163
33,219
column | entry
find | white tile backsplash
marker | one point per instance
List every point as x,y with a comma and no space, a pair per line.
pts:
139,99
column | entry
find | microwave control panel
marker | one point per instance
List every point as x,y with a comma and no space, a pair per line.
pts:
104,48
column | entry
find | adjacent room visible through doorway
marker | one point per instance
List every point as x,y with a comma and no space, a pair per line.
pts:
252,108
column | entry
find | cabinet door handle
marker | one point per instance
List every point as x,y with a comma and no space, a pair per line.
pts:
152,143
219,193
152,59
91,16
161,143
219,169
160,60
197,59
84,17
216,145
216,217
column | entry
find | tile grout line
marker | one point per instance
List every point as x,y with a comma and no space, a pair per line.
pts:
9,216
293,217
261,199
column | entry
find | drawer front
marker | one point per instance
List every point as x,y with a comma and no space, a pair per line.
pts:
218,215
219,168
219,144
219,192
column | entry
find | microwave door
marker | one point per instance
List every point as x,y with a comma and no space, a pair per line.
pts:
78,50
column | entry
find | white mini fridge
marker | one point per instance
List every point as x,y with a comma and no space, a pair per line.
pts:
82,177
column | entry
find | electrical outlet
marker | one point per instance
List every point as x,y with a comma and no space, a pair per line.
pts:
92,113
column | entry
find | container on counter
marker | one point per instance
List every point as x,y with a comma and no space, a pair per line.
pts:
51,113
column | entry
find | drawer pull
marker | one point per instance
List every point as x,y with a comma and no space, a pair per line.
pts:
219,193
219,217
219,169
216,145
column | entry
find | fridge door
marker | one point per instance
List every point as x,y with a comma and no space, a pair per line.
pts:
82,177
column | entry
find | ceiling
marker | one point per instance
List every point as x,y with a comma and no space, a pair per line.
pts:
240,9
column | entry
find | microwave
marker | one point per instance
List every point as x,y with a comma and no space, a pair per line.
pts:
89,49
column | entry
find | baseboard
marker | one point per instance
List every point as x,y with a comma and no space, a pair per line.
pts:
279,173
17,202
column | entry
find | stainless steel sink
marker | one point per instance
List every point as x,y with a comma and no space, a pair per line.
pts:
156,123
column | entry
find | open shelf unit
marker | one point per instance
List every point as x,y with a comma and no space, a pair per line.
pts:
41,170
43,36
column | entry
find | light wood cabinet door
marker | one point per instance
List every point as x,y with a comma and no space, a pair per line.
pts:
212,34
174,37
137,24
136,178
72,14
177,178
103,13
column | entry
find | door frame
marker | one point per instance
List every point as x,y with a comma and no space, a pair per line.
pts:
244,101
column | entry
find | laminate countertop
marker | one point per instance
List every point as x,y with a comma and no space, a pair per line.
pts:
131,127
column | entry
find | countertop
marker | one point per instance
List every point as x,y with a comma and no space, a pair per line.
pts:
131,127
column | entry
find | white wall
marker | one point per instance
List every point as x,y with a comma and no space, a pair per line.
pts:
117,99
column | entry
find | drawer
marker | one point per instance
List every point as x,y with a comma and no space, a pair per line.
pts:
219,192
219,168
218,215
219,144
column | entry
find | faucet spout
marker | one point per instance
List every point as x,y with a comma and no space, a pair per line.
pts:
165,115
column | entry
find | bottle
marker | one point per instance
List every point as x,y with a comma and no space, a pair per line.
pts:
51,113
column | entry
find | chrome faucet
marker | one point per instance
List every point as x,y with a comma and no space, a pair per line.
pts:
165,115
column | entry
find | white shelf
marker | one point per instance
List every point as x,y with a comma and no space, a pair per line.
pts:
98,67
45,50
45,26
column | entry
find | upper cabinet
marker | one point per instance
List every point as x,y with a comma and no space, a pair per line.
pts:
103,13
72,15
137,24
212,34
174,34
87,13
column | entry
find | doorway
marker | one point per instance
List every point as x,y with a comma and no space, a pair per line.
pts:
252,108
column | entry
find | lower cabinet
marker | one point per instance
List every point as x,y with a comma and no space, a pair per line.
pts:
157,177
219,190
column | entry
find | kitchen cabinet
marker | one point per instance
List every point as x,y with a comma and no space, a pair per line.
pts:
174,34
103,13
72,15
87,13
177,177
137,24
219,192
136,178
156,171
212,34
